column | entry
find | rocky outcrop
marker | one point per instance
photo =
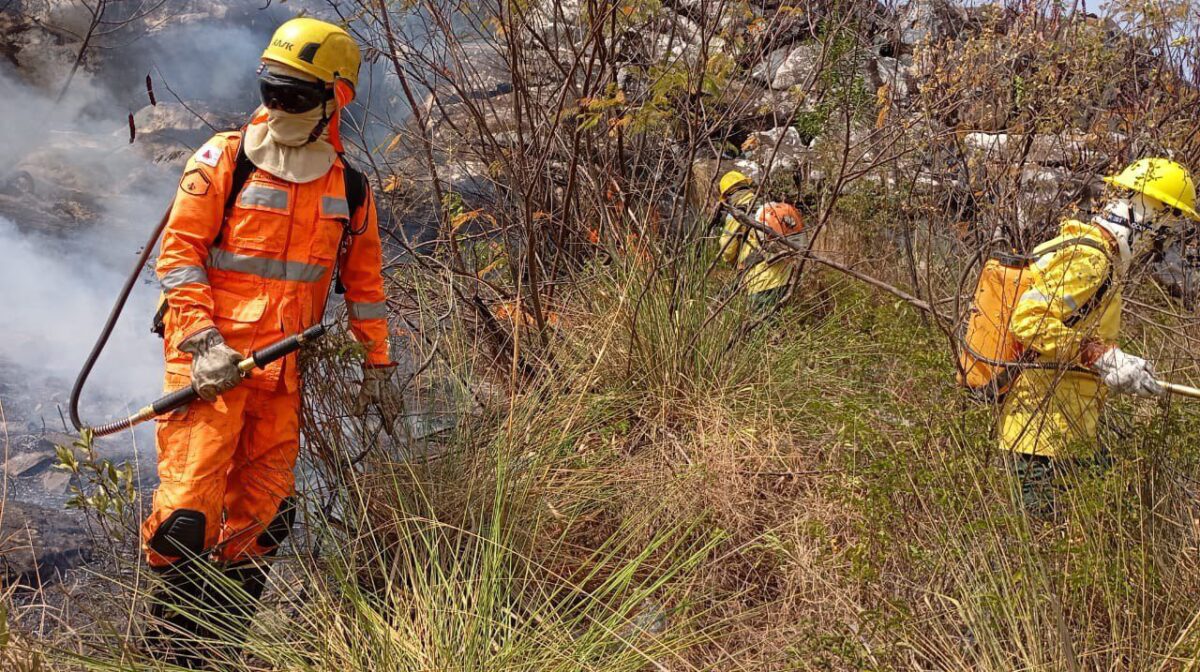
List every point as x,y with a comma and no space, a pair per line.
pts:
775,80
778,149
39,544
1179,274
897,73
171,131
789,66
929,21
1066,150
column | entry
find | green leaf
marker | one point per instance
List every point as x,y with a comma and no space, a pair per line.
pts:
65,457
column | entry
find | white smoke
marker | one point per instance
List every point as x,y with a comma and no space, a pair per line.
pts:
76,205
55,296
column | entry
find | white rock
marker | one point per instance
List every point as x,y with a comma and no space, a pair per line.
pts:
788,67
779,149
1046,182
1057,150
56,481
986,142
896,74
69,19
750,168
662,47
929,21
547,14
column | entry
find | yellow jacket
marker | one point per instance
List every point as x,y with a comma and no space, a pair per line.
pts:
1055,411
738,244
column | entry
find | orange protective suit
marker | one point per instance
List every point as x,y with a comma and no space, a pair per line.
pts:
257,273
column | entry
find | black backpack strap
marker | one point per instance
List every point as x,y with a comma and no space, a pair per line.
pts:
242,169
356,187
356,197
158,325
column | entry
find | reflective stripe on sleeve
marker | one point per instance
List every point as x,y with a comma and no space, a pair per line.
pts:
1069,302
367,311
264,196
272,269
1035,296
334,206
184,275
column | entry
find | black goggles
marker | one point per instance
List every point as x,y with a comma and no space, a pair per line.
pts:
291,94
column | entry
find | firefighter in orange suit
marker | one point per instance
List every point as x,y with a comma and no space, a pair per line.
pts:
246,260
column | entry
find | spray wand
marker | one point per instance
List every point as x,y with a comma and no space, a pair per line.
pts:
167,403
1181,390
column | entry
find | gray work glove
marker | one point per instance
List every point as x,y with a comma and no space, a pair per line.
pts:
380,391
214,364
1127,374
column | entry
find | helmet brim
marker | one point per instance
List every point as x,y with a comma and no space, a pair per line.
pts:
1171,201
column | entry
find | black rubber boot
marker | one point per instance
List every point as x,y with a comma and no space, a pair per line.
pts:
177,632
234,603
1036,476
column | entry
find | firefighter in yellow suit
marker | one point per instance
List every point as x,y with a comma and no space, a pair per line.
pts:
1071,315
766,281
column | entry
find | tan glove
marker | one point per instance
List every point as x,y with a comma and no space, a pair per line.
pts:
214,364
380,391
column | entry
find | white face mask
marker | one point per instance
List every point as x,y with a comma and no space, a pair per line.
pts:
1128,219
1146,213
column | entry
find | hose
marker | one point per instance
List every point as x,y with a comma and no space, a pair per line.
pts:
106,332
181,397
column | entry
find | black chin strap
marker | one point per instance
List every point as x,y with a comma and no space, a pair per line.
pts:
1113,218
320,127
1136,228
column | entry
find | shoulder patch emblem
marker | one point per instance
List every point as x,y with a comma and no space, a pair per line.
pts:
209,154
195,182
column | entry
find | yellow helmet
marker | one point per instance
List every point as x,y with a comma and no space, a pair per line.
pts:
1161,179
732,180
317,48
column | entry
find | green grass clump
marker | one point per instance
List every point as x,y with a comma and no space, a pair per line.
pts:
676,491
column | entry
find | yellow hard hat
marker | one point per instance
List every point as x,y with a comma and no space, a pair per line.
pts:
317,48
732,180
1161,179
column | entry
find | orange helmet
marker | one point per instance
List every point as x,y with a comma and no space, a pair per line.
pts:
781,218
